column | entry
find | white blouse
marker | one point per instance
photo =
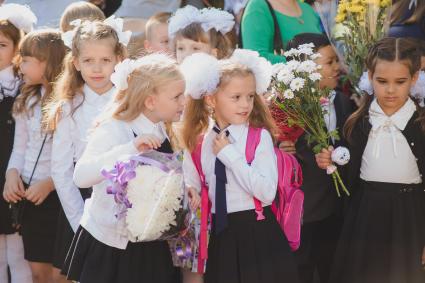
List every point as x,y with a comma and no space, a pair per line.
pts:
243,181
69,142
9,83
387,156
110,142
27,144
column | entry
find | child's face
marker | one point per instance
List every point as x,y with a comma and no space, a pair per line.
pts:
158,42
168,104
234,102
186,47
33,70
96,63
391,84
330,67
7,51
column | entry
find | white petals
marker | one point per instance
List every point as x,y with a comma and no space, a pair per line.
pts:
297,84
285,76
307,66
341,155
288,94
315,77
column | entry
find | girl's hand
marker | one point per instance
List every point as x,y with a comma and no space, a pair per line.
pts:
38,192
220,142
14,189
194,199
288,147
324,159
144,143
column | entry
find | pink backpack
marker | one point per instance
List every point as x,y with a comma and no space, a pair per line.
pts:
287,207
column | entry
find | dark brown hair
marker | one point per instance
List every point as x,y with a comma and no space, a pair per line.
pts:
398,13
389,49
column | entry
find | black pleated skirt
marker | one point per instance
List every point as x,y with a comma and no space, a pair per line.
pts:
383,235
39,226
250,251
65,234
90,261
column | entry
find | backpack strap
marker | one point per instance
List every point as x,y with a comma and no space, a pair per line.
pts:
252,142
205,207
277,37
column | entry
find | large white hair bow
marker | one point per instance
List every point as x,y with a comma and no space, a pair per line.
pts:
201,73
20,16
260,67
122,70
208,18
115,23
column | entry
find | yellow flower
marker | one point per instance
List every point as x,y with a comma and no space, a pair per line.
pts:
385,3
356,9
340,18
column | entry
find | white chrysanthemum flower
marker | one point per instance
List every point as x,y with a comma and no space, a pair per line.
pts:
315,77
155,197
297,84
315,56
285,76
291,53
292,65
288,94
306,50
341,155
276,68
307,66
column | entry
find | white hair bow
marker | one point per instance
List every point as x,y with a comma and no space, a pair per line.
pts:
115,23
122,70
20,16
208,18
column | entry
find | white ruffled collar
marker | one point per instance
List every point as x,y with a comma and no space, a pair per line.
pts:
381,123
93,97
7,75
378,118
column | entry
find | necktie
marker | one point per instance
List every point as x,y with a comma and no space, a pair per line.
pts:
220,192
165,146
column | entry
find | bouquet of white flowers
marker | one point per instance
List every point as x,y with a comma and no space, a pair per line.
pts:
297,94
150,192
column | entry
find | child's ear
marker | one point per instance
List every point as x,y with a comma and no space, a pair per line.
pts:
146,44
150,102
415,78
210,101
76,64
370,75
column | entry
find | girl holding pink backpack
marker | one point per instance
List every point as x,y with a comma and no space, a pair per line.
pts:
246,243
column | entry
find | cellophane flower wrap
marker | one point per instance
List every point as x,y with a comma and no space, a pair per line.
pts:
357,26
295,86
150,194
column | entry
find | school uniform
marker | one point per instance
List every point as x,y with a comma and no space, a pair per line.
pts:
69,142
383,233
39,222
243,250
322,218
101,251
11,246
9,88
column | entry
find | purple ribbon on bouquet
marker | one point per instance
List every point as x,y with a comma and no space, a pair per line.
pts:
123,172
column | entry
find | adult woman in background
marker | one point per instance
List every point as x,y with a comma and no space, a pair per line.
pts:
268,25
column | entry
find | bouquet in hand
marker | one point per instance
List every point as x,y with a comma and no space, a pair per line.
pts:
357,26
296,91
149,191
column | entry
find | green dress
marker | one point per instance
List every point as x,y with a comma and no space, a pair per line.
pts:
258,27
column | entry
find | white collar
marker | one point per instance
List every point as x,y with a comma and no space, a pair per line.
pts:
142,125
93,97
7,75
378,118
236,131
381,122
